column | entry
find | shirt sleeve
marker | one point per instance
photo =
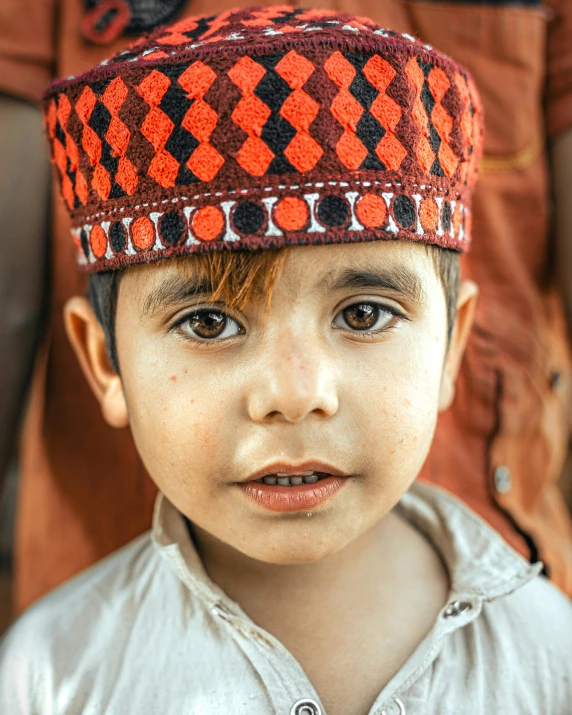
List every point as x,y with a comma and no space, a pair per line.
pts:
27,46
559,80
21,692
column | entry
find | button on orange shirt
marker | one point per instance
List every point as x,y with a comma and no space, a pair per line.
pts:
501,447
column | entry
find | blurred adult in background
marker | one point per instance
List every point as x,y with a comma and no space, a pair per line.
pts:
509,424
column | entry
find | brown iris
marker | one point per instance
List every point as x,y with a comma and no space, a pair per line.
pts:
207,323
361,316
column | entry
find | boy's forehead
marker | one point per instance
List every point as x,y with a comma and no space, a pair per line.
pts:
400,267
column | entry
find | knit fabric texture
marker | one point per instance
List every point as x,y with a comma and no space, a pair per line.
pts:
260,128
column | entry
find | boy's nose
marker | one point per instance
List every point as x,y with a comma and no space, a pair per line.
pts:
295,380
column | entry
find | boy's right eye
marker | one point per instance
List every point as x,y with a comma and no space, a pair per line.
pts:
209,324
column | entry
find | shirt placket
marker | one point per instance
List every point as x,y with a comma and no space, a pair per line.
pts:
288,687
460,610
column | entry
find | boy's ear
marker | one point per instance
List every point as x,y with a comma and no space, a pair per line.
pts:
466,304
88,340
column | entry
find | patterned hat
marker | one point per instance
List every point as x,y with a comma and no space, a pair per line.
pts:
260,128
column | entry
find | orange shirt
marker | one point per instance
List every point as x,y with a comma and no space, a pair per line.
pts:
502,445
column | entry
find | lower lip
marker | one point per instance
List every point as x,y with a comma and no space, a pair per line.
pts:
300,498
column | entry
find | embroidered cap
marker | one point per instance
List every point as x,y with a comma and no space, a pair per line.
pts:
261,128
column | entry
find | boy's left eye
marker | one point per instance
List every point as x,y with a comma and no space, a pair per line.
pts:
364,317
209,324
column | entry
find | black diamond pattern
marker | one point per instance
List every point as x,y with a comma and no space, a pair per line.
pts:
175,103
272,90
181,143
110,162
277,132
369,131
60,133
202,26
428,102
427,99
425,67
100,119
288,17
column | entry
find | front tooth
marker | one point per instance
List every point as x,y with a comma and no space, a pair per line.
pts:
306,474
282,474
269,480
296,481
284,481
311,479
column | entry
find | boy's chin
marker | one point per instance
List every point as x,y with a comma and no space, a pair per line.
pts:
295,553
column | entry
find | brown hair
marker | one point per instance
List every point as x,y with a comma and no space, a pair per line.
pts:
238,276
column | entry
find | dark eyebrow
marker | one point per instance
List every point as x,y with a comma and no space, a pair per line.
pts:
399,280
173,291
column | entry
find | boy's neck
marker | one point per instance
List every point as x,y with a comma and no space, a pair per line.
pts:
368,607
374,569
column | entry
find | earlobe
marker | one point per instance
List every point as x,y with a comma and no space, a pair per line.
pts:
466,304
88,341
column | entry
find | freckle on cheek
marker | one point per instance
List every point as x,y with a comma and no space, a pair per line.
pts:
173,378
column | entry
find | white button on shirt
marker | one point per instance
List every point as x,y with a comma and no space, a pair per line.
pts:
146,632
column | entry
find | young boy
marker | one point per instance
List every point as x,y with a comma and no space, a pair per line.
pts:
281,366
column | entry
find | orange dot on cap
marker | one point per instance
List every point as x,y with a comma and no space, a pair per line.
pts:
208,223
429,214
143,233
371,211
98,241
292,214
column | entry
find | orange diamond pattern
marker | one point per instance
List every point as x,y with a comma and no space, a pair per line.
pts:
468,126
251,114
424,152
387,112
201,120
157,128
205,162
439,84
347,110
303,151
65,152
61,152
92,144
118,135
295,69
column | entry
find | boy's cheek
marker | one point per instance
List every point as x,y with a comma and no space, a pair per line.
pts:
175,427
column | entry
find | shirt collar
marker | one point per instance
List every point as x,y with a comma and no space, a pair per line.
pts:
479,562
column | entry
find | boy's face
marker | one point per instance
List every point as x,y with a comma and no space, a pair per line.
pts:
343,375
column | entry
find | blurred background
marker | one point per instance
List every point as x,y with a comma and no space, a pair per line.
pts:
7,512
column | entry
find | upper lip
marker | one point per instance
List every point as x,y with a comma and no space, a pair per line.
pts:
293,469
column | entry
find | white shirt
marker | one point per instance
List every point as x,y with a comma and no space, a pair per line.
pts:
146,632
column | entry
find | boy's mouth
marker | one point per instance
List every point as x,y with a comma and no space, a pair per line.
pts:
292,480
285,488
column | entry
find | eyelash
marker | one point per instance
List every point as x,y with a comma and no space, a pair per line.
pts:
203,342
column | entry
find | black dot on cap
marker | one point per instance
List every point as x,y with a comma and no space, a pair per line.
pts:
172,228
446,217
118,237
84,240
404,210
333,211
248,218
